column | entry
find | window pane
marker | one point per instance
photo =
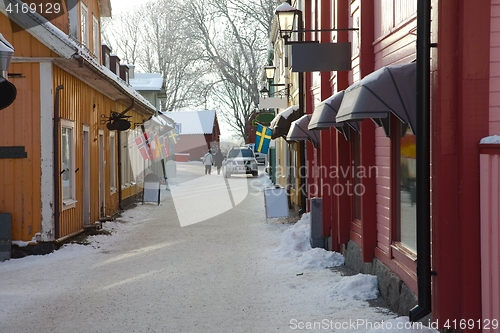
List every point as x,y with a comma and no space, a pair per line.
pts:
85,26
66,163
112,162
357,168
408,190
95,30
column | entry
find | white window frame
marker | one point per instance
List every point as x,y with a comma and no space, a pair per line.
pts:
127,174
84,24
112,162
96,33
68,168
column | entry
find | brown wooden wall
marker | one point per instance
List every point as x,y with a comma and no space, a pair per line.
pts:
24,44
19,126
84,105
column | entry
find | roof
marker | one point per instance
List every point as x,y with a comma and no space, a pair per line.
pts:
194,122
146,81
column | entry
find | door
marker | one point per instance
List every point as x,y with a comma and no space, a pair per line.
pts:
102,167
86,175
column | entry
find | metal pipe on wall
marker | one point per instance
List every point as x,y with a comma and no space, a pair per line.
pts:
424,272
57,175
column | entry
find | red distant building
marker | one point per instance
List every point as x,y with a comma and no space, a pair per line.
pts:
198,131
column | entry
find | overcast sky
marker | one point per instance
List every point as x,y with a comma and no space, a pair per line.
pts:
125,5
118,6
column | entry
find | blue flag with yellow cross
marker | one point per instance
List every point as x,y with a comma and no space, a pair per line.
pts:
262,139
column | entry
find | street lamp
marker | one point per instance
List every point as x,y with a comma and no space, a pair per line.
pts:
270,73
8,91
287,18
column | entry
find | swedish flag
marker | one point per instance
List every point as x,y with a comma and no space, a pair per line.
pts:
262,139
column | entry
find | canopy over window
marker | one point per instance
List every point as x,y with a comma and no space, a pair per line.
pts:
389,89
299,131
283,120
324,115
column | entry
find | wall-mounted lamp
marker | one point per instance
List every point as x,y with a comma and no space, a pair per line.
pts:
290,17
287,18
311,56
270,72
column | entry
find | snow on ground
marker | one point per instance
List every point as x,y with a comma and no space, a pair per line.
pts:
326,300
350,291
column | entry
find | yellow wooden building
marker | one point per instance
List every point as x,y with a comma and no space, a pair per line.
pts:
61,168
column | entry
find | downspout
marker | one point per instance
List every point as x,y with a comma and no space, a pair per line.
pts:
424,272
302,144
55,167
119,155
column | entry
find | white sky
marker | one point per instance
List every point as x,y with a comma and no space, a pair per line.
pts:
125,5
118,6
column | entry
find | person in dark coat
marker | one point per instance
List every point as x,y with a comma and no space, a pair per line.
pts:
218,158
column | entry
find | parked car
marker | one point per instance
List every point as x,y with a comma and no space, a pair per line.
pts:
240,160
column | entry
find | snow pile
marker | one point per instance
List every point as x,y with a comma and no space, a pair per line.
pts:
491,139
358,287
295,244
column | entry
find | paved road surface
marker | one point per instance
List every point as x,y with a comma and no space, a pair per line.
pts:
218,275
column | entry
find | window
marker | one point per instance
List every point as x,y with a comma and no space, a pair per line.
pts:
356,164
84,13
127,177
67,163
95,32
112,162
407,190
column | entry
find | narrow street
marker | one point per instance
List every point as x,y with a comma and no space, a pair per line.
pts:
222,274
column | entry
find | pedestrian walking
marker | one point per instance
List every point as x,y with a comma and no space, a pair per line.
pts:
208,161
218,158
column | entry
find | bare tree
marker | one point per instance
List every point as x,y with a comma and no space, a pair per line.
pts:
152,38
208,52
233,35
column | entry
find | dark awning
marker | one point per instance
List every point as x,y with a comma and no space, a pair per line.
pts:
389,89
299,131
281,123
324,115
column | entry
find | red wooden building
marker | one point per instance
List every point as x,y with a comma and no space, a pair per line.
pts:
198,131
376,226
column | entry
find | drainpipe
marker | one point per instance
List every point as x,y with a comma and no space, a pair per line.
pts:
424,272
302,143
119,155
56,166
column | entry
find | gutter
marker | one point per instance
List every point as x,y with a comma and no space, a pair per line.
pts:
424,272
55,167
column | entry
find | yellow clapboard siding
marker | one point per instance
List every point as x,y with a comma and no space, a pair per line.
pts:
20,193
84,105
24,44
